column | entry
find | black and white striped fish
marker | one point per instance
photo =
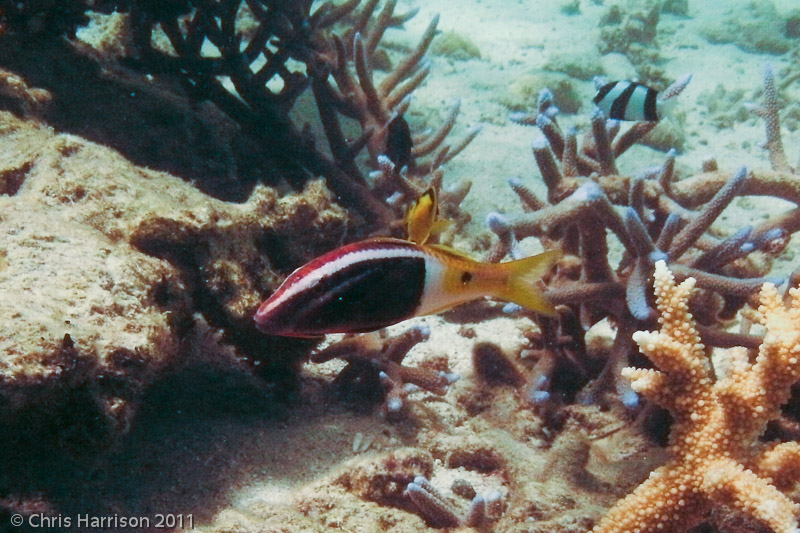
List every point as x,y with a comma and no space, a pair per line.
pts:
629,100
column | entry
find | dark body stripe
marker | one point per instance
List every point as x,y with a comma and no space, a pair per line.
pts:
617,110
603,91
635,102
650,105
366,296
362,295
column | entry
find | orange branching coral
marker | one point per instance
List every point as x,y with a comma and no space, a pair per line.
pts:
717,460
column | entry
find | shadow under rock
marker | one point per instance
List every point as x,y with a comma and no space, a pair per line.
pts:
199,435
149,125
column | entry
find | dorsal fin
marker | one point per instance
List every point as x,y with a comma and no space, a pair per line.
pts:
451,251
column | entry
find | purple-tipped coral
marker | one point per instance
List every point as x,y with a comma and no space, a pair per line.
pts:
253,60
413,160
440,511
376,355
654,216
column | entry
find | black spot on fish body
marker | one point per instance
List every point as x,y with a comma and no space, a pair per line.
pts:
399,143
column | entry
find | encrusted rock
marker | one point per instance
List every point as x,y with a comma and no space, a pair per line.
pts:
106,270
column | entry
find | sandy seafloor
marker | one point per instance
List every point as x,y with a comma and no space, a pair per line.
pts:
287,472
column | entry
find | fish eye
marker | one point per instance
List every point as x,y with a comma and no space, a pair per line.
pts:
466,277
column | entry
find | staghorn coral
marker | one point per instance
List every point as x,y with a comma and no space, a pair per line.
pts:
379,109
373,358
717,460
239,34
263,56
769,112
242,74
662,217
439,511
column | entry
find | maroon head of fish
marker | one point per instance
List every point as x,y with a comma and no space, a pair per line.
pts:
359,287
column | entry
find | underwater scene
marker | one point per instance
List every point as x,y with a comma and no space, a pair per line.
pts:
400,266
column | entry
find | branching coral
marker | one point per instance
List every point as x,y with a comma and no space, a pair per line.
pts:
769,111
248,45
254,59
375,106
439,511
654,216
717,460
405,165
374,358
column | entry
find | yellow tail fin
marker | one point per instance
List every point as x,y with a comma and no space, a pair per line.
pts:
523,275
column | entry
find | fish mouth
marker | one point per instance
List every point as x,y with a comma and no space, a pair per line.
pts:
268,325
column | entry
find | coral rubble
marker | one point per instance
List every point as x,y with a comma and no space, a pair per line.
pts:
717,460
373,353
631,28
754,26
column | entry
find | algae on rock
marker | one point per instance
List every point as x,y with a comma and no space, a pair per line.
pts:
108,267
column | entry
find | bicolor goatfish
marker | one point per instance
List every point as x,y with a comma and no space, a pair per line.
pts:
378,282
630,100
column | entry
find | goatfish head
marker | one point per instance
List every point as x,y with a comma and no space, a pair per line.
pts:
379,282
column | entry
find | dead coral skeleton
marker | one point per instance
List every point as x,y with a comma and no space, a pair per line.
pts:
717,460
655,216
439,511
382,356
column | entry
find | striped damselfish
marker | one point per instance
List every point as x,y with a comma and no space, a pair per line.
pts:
629,100
378,282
